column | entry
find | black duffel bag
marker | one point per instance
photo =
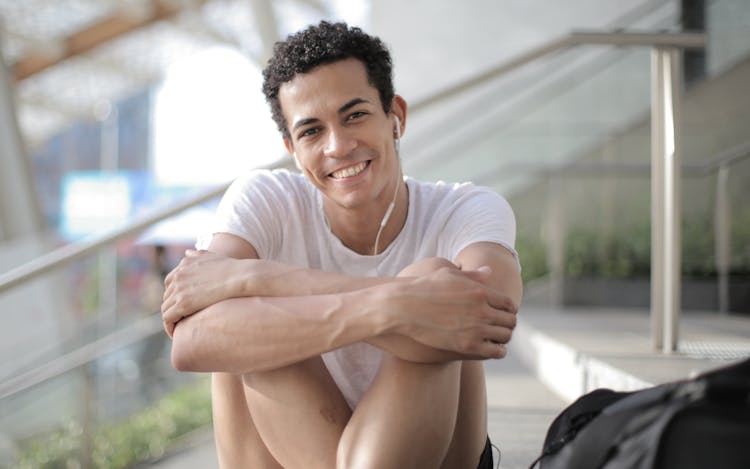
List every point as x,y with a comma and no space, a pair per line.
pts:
702,422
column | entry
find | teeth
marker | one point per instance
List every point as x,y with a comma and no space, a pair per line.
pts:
350,171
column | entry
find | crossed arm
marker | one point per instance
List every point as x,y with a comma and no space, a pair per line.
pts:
228,311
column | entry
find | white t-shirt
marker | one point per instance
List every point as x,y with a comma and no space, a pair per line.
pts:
281,215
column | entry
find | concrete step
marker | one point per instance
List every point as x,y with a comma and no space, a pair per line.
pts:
574,351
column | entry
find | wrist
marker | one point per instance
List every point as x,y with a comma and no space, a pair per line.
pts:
246,278
387,319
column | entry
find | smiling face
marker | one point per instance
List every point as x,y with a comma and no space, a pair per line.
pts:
342,137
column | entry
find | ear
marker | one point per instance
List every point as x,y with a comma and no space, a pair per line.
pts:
399,108
288,146
295,157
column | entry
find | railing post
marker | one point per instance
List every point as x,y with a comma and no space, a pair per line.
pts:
665,198
722,236
657,203
555,236
20,212
109,162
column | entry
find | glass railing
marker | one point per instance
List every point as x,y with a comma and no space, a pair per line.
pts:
567,139
86,375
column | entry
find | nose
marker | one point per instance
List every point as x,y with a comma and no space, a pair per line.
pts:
339,143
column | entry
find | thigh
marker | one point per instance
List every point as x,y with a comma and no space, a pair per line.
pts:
299,413
238,443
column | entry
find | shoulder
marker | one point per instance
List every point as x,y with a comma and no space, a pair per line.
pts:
268,178
278,184
454,195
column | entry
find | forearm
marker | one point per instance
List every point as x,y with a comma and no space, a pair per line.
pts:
408,349
269,278
286,280
243,335
446,315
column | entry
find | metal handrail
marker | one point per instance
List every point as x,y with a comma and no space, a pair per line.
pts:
585,168
681,40
71,252
130,334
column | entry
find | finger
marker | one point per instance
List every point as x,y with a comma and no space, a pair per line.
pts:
512,321
492,350
501,301
171,318
501,318
166,305
168,328
169,295
169,279
498,334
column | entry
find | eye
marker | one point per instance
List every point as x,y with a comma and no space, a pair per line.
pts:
308,132
356,115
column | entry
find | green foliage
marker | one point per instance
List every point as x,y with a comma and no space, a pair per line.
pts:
741,240
627,254
143,436
698,247
621,255
533,256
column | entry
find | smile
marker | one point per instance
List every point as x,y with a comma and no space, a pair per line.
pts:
350,171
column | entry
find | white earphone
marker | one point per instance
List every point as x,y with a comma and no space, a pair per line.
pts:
296,161
389,210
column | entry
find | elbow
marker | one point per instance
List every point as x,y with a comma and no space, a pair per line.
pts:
183,354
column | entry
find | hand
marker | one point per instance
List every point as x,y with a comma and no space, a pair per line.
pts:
456,311
201,279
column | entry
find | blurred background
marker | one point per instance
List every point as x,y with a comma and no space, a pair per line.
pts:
122,121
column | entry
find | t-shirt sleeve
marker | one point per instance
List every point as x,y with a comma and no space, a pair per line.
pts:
251,209
481,215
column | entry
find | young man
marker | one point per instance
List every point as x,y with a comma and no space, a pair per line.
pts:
345,311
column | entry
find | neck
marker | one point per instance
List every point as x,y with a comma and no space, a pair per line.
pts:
358,227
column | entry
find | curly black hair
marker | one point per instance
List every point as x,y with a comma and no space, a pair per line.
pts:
324,44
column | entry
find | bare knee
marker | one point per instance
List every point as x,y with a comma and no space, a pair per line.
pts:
310,370
299,412
387,429
426,266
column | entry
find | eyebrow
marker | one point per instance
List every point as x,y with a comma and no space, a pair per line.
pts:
342,109
351,104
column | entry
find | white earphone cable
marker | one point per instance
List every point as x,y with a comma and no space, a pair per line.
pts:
388,212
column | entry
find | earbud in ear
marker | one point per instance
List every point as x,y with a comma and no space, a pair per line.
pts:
397,131
296,161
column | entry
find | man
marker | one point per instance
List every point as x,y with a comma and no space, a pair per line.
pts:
345,311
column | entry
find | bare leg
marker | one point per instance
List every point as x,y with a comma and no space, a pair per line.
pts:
470,434
405,419
414,415
300,413
238,443
419,415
